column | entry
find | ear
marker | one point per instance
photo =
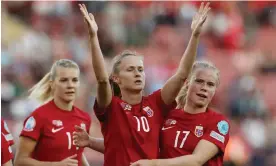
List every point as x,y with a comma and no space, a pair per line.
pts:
116,79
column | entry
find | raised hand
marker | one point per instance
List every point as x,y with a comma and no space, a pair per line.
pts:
199,18
80,137
89,19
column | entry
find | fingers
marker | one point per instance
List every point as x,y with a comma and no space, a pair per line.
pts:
73,156
78,128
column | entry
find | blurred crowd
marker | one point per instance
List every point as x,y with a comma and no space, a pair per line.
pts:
238,38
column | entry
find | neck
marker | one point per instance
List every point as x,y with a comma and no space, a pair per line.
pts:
193,109
63,105
132,98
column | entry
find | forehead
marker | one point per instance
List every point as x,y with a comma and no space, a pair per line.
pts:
206,74
67,72
132,61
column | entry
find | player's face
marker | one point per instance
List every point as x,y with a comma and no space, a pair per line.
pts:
202,87
66,83
131,75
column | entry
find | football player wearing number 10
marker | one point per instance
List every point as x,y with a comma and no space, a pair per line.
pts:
46,138
131,122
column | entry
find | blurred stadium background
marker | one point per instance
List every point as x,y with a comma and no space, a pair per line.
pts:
239,37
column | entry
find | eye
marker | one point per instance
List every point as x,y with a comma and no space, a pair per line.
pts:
141,69
211,84
63,80
75,79
199,81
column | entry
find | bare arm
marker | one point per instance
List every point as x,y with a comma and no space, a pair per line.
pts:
9,163
203,152
84,161
23,155
96,144
175,83
104,92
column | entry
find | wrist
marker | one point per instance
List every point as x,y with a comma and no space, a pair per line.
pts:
53,164
196,34
90,142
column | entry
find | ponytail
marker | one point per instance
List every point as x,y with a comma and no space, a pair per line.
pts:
182,95
42,90
115,88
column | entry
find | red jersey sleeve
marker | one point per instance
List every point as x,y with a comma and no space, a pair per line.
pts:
33,126
218,133
156,97
5,130
102,113
6,152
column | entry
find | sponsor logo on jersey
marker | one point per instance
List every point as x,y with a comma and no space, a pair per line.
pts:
217,136
57,123
30,124
56,130
223,127
149,111
83,125
198,131
168,123
126,106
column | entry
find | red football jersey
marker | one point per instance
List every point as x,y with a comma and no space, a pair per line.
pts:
6,151
182,131
131,132
6,132
52,128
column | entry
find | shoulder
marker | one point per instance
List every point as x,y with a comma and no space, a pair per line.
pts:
82,113
42,110
220,121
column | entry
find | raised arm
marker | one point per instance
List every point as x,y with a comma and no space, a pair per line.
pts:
104,92
174,84
25,149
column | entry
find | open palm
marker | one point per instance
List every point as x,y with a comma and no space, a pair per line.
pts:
80,137
89,19
199,18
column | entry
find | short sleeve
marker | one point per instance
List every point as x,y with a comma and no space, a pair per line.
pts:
156,96
5,130
6,151
32,127
102,113
218,133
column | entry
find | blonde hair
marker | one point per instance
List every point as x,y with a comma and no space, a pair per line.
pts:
182,95
115,69
42,91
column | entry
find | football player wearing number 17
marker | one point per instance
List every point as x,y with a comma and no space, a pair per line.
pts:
193,134
131,122
46,138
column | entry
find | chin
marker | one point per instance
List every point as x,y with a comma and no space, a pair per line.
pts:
69,99
200,104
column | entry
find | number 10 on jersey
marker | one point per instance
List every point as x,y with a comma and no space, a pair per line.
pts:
142,120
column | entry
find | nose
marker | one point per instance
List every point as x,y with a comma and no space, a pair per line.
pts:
203,87
70,84
137,73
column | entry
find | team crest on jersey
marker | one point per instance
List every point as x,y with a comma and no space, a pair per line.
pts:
199,131
57,123
170,122
30,124
148,110
223,127
83,125
126,106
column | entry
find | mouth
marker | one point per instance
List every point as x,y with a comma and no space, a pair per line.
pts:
69,93
138,82
201,95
